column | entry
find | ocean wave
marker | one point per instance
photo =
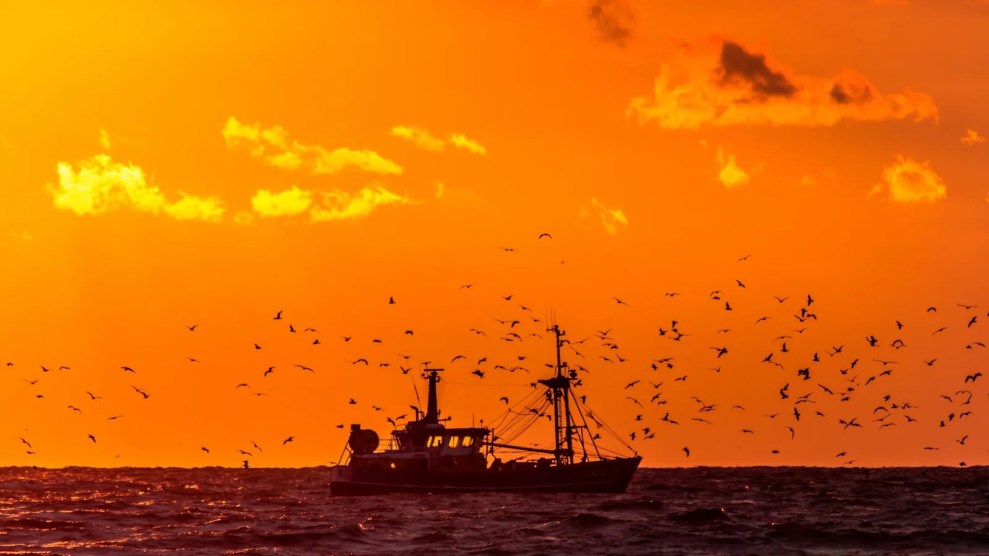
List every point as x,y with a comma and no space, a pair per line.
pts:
673,511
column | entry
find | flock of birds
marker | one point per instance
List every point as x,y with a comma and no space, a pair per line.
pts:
811,381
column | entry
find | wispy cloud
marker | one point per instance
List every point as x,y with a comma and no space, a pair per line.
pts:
100,185
612,219
419,137
105,140
274,146
613,19
463,142
972,137
425,139
909,181
340,205
729,85
730,173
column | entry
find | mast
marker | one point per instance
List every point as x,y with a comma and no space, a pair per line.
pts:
559,390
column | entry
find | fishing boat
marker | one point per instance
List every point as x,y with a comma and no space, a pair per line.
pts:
427,456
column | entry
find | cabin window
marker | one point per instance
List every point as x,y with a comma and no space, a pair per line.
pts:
392,465
434,441
454,441
467,441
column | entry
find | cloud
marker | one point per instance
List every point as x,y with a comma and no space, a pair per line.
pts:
972,137
105,140
426,140
332,162
460,141
340,205
613,19
274,146
730,175
290,202
419,137
751,71
612,219
909,181
190,207
100,185
243,217
732,86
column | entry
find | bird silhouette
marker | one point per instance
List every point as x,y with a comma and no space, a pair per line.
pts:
287,440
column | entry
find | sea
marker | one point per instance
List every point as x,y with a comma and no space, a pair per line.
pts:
756,510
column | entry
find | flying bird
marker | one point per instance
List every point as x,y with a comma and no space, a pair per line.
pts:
544,234
287,440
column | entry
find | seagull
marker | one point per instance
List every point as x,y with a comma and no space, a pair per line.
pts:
204,448
278,316
93,438
391,300
544,234
192,328
686,450
127,369
287,440
269,371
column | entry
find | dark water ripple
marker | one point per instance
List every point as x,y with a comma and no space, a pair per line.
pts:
778,511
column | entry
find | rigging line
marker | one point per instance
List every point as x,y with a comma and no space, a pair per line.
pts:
611,431
580,432
517,428
526,422
524,402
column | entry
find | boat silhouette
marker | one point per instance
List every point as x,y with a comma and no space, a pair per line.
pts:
426,456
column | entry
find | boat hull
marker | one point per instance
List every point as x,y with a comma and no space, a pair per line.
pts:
606,476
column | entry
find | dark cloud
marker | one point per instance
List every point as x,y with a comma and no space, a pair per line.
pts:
613,19
839,95
739,65
851,92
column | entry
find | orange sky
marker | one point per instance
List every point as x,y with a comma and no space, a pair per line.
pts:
172,164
